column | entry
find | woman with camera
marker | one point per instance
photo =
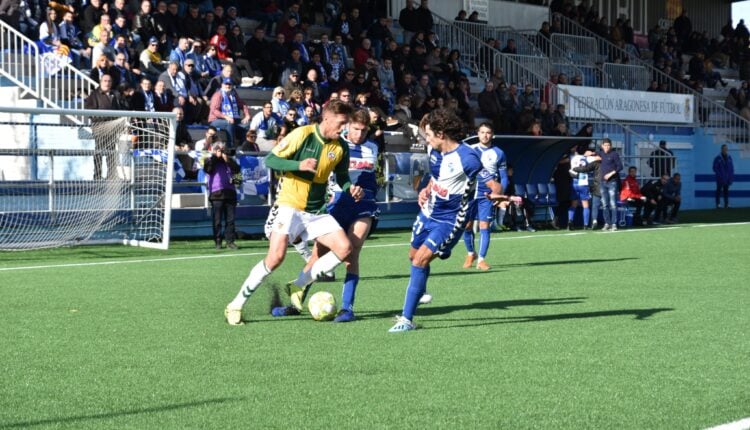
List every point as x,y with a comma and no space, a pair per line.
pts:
221,169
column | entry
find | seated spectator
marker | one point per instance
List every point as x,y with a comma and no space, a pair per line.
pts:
267,126
180,52
96,32
150,60
652,190
732,102
630,193
70,36
289,123
126,75
49,33
250,144
211,65
164,100
228,112
208,139
143,98
280,106
215,83
104,67
103,47
671,196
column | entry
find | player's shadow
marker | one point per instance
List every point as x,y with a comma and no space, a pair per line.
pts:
498,268
638,314
432,275
567,262
71,421
427,310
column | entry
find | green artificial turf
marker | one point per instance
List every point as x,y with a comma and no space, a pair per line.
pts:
640,329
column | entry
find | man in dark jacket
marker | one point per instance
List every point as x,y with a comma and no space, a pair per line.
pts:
103,98
652,191
661,160
609,180
724,170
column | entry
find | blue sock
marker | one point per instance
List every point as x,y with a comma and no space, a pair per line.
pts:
571,215
484,242
415,290
469,240
586,216
350,287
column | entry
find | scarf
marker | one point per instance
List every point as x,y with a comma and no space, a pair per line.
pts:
229,106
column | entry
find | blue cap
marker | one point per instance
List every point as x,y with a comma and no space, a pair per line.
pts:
227,81
153,39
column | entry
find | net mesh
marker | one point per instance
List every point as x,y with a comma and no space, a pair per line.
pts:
66,184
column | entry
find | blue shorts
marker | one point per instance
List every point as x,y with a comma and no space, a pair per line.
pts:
480,209
346,211
439,237
580,192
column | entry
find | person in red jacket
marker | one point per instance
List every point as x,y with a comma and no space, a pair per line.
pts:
630,192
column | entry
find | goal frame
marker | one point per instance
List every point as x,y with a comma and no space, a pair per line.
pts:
163,244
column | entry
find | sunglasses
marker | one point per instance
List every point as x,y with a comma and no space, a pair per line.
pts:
189,65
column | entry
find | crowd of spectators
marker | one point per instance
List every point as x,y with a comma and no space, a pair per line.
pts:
161,55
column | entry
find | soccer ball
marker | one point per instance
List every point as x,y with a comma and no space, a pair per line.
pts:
322,306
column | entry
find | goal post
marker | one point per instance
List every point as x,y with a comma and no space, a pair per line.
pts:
107,180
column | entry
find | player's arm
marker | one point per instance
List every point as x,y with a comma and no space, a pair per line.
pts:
341,172
281,156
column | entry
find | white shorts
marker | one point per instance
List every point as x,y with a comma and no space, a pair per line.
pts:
299,224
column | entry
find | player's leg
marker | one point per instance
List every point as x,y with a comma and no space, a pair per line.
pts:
572,210
278,243
484,214
357,234
585,197
415,290
282,222
471,256
326,231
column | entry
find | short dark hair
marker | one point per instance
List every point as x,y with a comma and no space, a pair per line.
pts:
446,122
486,124
337,107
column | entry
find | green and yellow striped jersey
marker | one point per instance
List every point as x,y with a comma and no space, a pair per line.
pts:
305,190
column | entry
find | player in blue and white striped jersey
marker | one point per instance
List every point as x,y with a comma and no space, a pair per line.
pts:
446,199
493,178
581,192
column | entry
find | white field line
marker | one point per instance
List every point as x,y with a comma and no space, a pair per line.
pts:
743,424
384,245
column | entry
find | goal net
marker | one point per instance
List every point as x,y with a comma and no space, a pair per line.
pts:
108,180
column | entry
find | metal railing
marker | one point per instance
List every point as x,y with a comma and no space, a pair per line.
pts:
625,77
580,112
721,122
576,49
21,63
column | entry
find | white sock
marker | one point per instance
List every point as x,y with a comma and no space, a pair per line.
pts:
253,281
304,250
326,263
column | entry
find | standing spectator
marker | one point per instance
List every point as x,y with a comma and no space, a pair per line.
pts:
724,170
671,196
144,26
259,54
408,19
220,169
9,12
609,180
683,27
228,112
103,98
192,24
424,17
661,160
379,32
